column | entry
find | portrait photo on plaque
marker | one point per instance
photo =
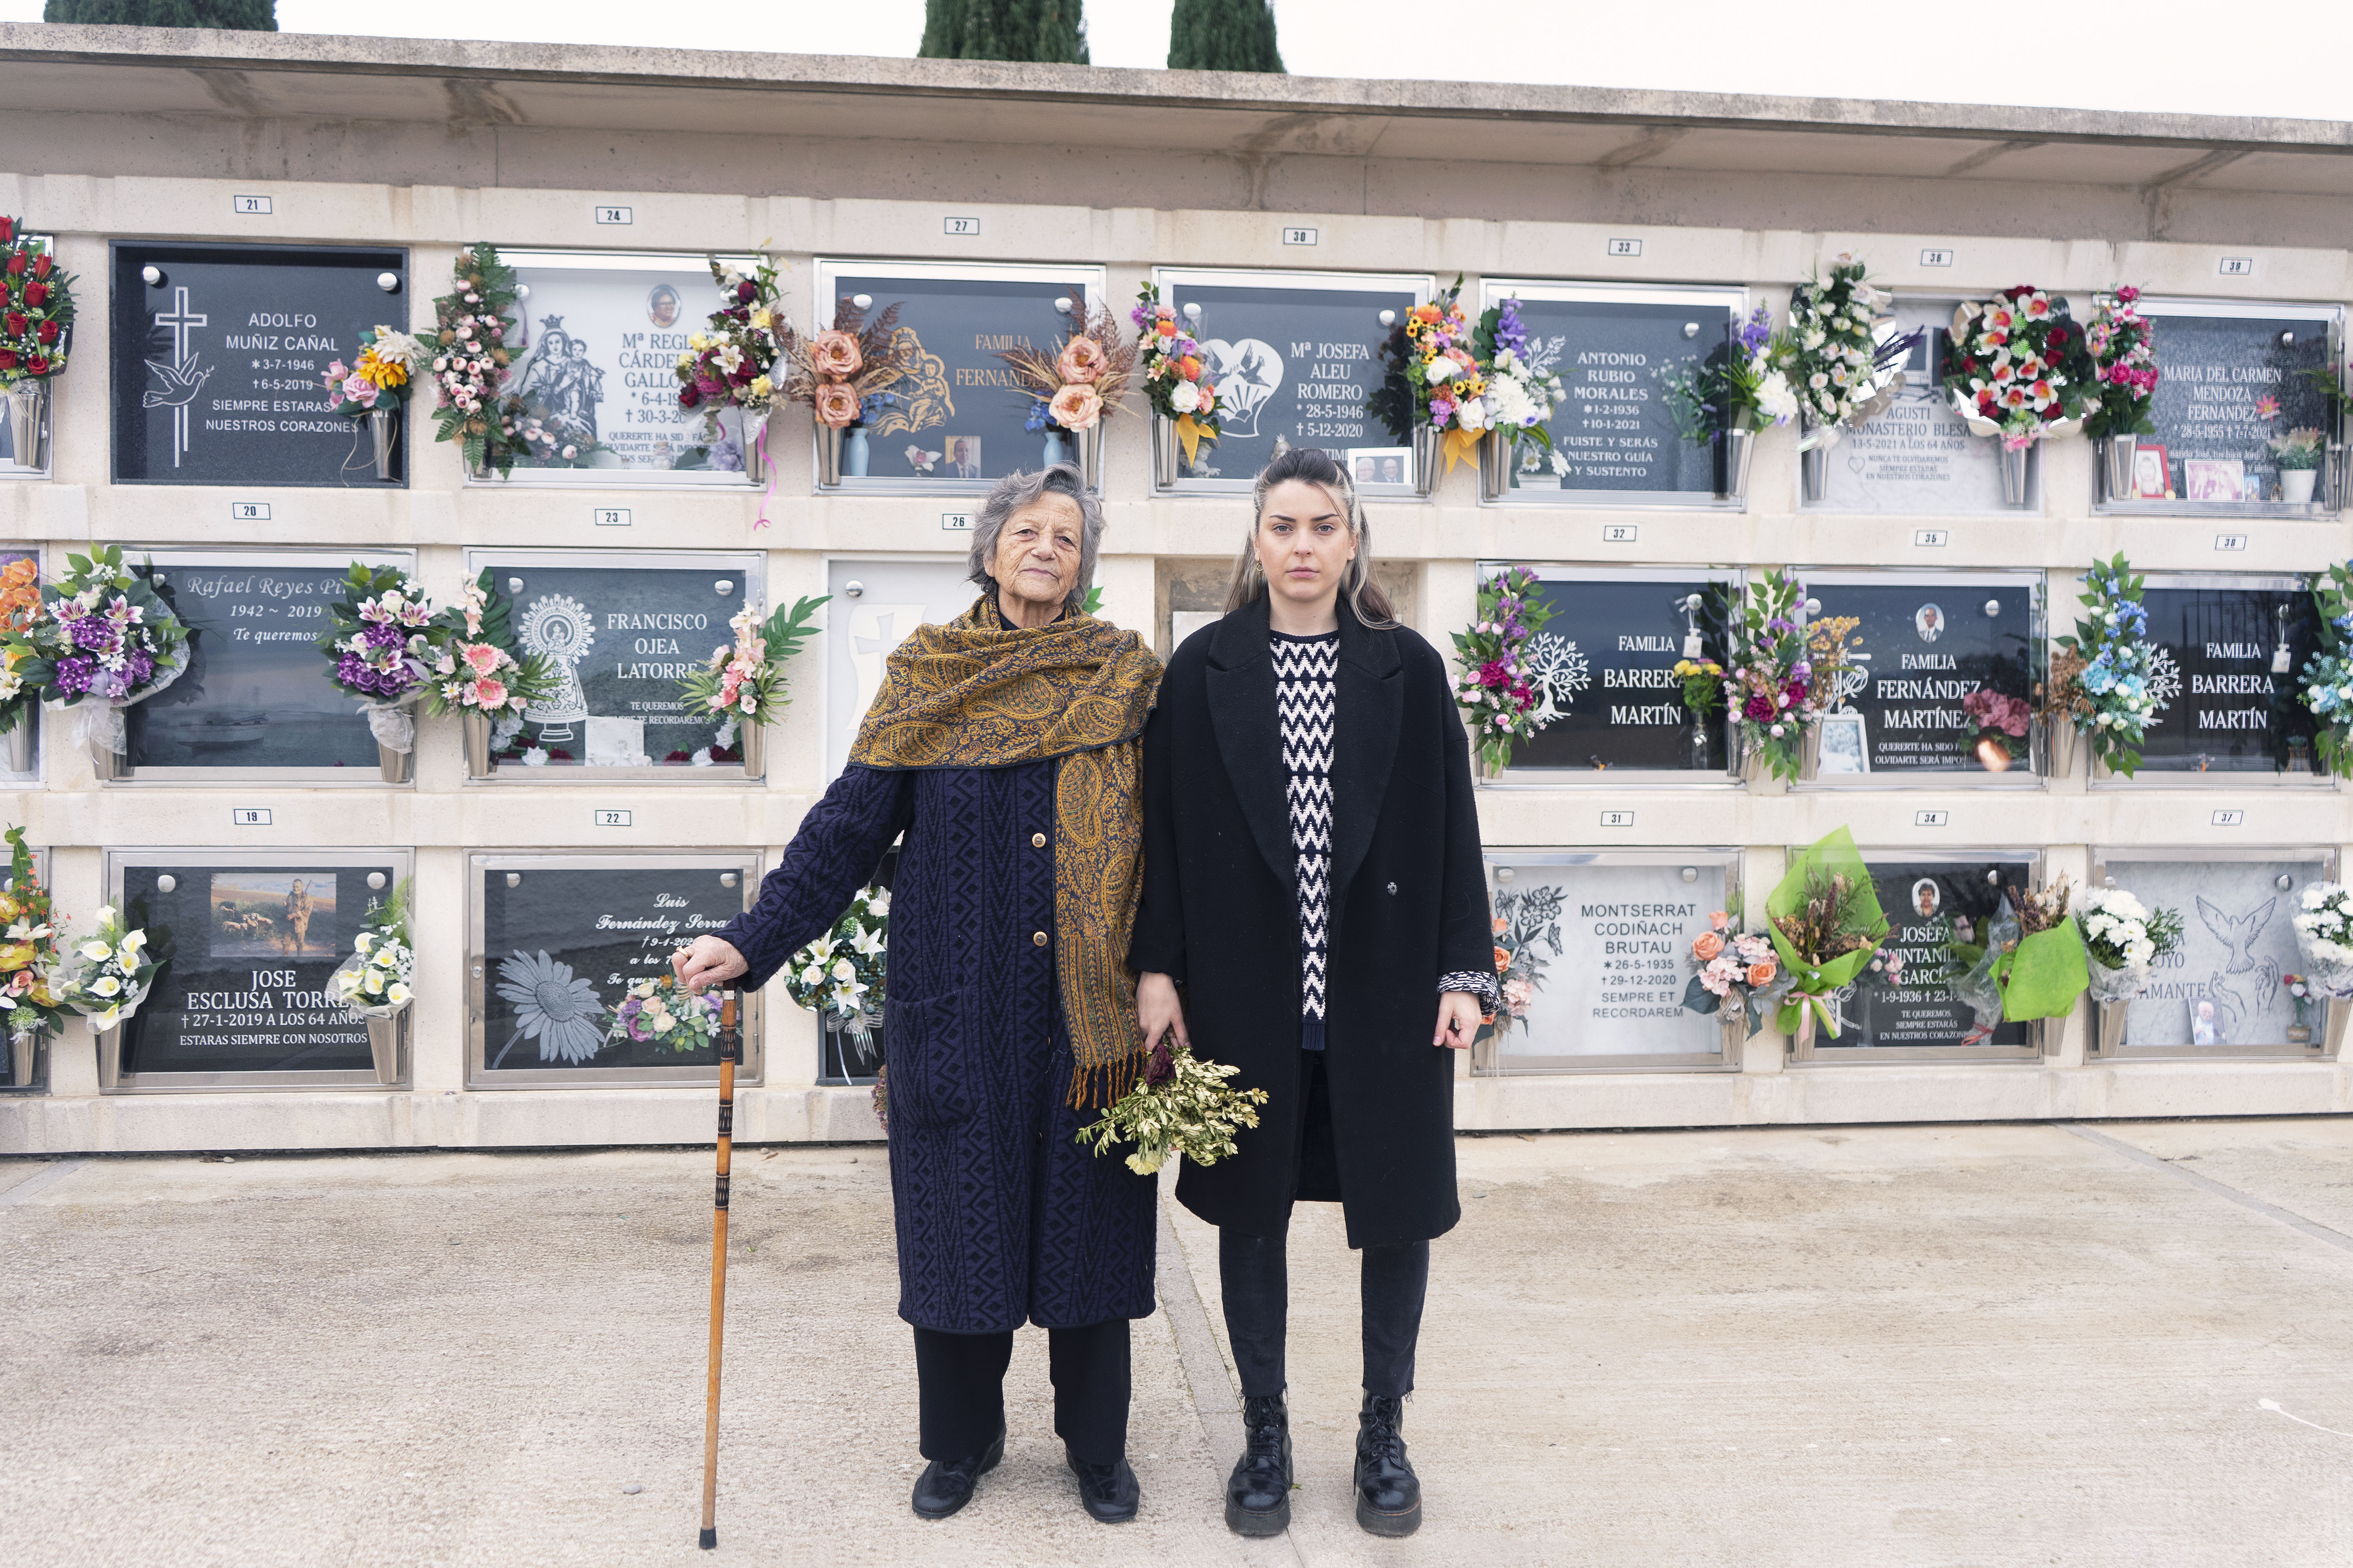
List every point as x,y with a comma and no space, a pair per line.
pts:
2226,676
619,629
257,696
1619,350
876,604
1941,674
959,417
1931,903
1595,953
2235,381
2225,986
1604,671
219,358
1915,456
596,341
246,943
561,939
1295,355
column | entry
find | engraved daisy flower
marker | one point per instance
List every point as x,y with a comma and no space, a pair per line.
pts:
561,1012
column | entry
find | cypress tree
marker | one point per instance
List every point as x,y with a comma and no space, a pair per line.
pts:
1054,31
1223,35
246,16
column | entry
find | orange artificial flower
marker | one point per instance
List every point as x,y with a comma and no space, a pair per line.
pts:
1076,407
1080,362
1189,367
837,403
1167,329
1499,925
1707,946
836,353
1503,958
1719,920
1762,973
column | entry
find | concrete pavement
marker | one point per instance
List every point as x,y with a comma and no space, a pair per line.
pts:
1950,1345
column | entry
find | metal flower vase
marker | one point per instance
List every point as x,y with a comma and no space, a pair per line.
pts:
828,455
2339,469
20,743
752,745
1425,459
2118,456
395,767
28,422
1494,466
1087,452
475,726
110,1055
107,764
2013,471
1809,754
1739,450
383,428
2059,747
388,1045
24,1057
1813,465
1164,453
755,445
2110,1017
2332,1039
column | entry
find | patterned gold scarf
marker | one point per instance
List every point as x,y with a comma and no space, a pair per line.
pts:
972,694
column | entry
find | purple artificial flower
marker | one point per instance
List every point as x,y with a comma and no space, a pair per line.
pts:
1509,334
1757,331
73,675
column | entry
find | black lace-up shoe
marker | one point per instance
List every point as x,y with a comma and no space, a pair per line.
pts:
1109,1491
1388,1494
946,1485
1257,1494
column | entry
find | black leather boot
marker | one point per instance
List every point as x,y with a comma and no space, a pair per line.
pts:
1388,1494
1257,1494
946,1485
1109,1491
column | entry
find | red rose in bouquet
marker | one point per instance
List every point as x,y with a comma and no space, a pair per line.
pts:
16,264
36,295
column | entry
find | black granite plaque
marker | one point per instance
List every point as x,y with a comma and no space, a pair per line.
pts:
1927,646
243,987
620,636
1300,364
218,371
1616,359
1929,906
562,945
1605,668
959,414
257,693
2229,704
2226,385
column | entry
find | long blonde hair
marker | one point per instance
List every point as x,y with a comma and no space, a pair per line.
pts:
1312,465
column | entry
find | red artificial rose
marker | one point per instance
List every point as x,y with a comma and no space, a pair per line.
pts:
36,295
8,231
48,331
39,364
15,323
687,397
2051,413
16,264
7,359
746,291
41,265
2058,336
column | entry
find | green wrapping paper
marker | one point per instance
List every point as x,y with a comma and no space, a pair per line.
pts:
2047,974
1812,984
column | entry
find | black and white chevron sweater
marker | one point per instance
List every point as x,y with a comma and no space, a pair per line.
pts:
1304,672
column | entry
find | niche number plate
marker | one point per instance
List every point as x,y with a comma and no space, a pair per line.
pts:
956,523
2231,818
1931,818
612,818
1617,819
248,816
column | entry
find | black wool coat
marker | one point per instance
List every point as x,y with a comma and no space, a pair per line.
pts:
1219,915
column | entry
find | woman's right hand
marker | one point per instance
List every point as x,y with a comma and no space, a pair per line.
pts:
1157,1009
706,962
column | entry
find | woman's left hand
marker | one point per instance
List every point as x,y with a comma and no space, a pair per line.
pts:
1458,1020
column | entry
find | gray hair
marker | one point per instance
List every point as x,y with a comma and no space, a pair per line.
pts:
1015,491
1311,465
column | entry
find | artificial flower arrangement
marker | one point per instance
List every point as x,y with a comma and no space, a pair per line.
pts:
20,606
2122,345
1740,386
2119,686
1084,381
1780,674
2123,940
732,361
664,1015
1496,690
1174,370
744,681
2327,678
101,636
110,973
1180,1104
30,987
1735,969
841,976
1825,921
1834,366
2324,936
470,359
381,639
838,371
36,309
1527,938
476,666
378,979
2300,449
2032,966
1522,391
1434,375
381,378
2019,368
2003,722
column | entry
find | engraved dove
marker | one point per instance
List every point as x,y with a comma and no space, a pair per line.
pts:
185,380
2237,933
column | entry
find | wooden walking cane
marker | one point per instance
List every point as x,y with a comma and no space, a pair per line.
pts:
730,1042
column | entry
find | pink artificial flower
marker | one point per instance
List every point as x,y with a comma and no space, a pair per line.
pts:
483,658
359,389
488,693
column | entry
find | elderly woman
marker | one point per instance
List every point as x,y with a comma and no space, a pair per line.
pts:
1004,746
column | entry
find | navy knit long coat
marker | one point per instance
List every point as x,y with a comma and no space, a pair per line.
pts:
1002,1217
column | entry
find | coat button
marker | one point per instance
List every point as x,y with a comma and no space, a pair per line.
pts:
1392,889
1037,841
1038,937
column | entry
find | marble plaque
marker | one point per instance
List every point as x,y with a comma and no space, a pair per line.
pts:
2226,384
1915,457
1929,906
1604,666
244,988
1299,360
2223,987
1928,643
1609,947
892,598
2228,707
218,371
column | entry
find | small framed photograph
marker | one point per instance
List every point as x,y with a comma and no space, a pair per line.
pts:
1380,465
1844,749
2152,475
2214,479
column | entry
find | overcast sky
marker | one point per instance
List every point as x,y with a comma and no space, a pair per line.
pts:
2186,56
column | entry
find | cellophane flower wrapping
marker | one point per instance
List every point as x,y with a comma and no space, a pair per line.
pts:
841,976
375,980
2323,937
2118,952
111,973
1181,1104
1828,888
31,998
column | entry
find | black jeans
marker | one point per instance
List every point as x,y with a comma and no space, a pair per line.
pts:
962,1382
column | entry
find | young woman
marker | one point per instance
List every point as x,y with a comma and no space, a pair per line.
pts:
1004,746
1312,879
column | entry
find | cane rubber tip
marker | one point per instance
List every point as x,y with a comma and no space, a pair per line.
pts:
710,1540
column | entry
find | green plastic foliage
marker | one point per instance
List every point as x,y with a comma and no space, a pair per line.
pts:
1834,856
2047,974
